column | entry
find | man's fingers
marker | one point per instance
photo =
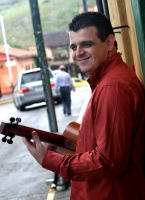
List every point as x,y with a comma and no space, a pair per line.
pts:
35,147
29,143
35,137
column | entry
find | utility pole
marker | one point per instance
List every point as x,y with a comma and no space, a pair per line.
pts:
43,64
8,64
100,6
85,5
44,71
106,9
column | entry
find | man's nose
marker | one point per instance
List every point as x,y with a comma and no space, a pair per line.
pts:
79,51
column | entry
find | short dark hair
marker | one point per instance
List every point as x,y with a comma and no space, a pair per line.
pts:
96,19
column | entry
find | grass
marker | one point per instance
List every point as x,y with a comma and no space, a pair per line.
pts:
55,15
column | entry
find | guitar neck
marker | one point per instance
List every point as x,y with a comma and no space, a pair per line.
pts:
48,137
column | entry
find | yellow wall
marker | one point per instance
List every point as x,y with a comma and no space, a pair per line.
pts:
121,14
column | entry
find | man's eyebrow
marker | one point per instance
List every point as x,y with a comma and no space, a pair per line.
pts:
87,41
83,42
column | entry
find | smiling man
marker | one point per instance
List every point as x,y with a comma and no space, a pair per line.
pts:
108,163
88,50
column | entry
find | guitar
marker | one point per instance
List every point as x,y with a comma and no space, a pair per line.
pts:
66,142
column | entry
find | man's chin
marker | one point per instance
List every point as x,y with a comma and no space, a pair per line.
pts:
85,71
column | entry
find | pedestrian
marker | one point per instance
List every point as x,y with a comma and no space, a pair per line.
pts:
64,85
108,162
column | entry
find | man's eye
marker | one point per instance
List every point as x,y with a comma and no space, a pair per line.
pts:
73,48
87,45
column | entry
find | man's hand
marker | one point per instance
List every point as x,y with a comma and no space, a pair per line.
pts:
37,148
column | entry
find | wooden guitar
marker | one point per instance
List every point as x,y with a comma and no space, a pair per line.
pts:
66,142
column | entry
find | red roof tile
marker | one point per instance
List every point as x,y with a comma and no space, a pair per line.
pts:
19,53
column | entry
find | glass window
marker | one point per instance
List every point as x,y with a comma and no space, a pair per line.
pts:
32,76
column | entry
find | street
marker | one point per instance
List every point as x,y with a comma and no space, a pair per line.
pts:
21,177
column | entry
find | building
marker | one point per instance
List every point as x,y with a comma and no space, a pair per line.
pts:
19,60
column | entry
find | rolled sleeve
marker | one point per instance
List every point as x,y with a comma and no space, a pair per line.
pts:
52,161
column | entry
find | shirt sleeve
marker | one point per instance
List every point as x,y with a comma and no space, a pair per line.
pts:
70,82
113,127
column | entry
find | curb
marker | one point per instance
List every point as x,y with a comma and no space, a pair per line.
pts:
5,102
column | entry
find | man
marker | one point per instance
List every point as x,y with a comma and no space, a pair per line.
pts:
108,163
64,84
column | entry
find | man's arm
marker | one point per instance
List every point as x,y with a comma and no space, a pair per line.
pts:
71,83
111,140
108,158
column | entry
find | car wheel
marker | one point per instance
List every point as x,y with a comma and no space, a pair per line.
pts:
21,108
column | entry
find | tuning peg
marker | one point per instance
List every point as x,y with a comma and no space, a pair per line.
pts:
11,135
16,125
4,139
12,119
10,141
18,120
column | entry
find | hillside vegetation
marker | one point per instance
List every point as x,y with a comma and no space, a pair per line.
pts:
55,15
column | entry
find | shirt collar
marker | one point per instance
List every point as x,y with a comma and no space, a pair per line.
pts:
106,66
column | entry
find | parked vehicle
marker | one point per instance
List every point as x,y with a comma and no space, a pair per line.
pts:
29,89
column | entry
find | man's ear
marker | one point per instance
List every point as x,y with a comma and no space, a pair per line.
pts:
110,42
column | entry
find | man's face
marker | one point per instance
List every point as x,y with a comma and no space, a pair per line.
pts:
88,50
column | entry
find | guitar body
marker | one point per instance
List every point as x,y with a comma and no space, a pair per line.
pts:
66,142
71,134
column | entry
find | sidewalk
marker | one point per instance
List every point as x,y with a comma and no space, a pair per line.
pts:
6,99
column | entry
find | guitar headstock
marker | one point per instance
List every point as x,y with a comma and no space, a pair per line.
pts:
7,129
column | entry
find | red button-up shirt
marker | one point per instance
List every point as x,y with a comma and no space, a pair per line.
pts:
108,164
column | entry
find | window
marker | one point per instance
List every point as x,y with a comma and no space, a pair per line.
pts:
32,77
